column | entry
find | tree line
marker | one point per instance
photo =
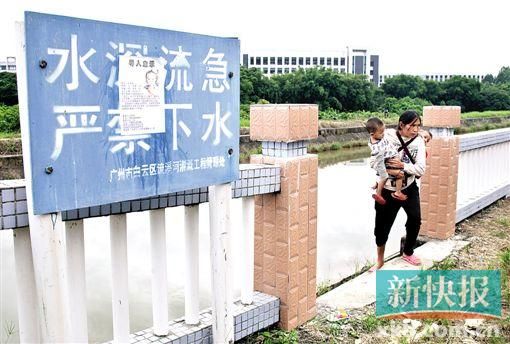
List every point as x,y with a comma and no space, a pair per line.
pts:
336,92
342,92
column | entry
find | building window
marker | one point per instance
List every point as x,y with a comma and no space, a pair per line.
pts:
286,70
342,70
279,71
280,61
335,61
371,72
294,60
272,70
301,61
328,61
265,70
322,61
315,60
287,61
371,63
252,60
342,61
264,60
307,61
3,67
272,60
257,61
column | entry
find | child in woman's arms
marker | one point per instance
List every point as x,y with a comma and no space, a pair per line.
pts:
382,150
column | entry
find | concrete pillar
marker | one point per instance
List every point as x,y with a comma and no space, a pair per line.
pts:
439,184
286,222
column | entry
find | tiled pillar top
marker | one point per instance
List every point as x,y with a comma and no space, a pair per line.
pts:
441,116
284,122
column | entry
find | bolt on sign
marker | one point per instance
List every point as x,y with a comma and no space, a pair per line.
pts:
119,112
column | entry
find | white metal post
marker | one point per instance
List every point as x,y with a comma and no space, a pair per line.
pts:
222,300
247,249
159,273
120,296
76,284
191,225
26,295
43,228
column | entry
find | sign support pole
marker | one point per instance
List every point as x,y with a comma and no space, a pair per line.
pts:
222,302
25,287
50,296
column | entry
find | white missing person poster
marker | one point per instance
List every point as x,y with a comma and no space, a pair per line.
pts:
141,95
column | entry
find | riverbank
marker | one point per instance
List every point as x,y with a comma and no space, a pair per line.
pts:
488,233
332,136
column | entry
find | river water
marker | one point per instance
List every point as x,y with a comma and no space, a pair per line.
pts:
345,244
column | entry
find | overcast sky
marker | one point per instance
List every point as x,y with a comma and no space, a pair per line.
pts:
416,37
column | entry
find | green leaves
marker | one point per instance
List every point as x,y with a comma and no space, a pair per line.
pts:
8,89
339,92
9,119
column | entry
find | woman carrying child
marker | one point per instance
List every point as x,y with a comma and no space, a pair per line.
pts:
411,148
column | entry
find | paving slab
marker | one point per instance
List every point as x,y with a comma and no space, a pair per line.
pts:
360,291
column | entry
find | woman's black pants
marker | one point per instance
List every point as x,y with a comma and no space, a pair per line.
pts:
385,216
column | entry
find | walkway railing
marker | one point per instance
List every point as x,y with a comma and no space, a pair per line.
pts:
253,312
484,170
483,177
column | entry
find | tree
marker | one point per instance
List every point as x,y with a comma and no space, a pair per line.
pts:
255,86
431,91
395,105
400,86
329,89
503,76
8,89
488,79
495,97
462,91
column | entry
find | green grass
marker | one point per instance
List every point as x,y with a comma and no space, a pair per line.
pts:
244,122
244,158
485,114
482,127
500,234
323,147
4,135
323,288
504,221
370,322
446,264
504,263
273,336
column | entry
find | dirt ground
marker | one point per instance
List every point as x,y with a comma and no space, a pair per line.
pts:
489,234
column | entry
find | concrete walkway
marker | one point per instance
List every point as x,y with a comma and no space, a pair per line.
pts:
360,291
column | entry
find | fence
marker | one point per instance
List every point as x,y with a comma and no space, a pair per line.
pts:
253,312
483,177
484,170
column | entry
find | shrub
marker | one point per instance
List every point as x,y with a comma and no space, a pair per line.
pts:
9,119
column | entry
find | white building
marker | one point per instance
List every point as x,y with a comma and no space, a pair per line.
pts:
354,61
436,77
8,65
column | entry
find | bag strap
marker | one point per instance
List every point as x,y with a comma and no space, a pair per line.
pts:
403,146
